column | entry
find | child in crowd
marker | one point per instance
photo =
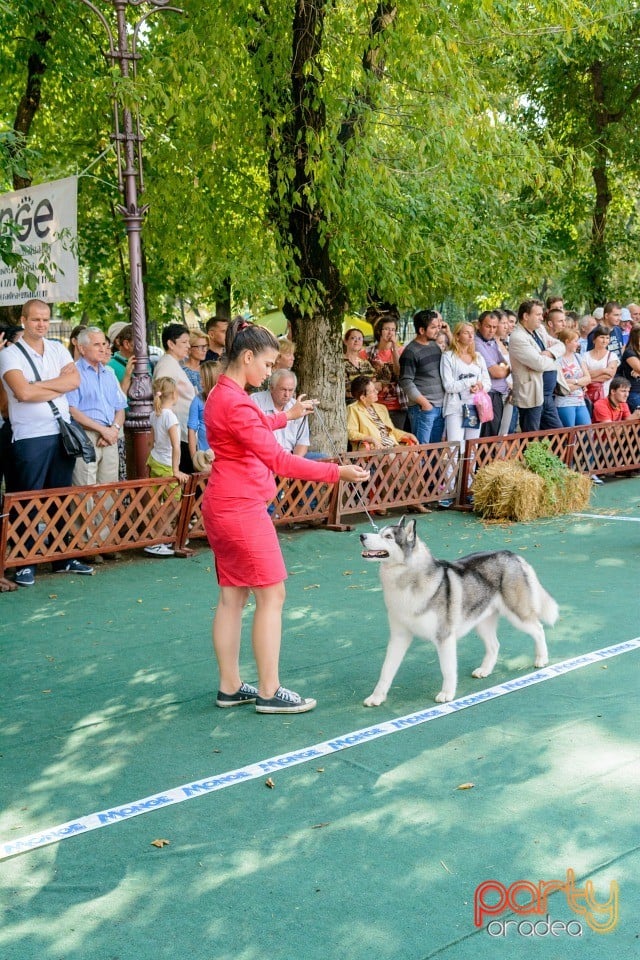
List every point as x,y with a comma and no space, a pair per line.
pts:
199,448
240,532
164,459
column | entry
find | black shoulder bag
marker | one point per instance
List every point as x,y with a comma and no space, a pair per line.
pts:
75,441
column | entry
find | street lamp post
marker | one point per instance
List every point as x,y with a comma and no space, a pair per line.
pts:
128,145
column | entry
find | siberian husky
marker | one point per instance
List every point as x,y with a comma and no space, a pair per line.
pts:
441,601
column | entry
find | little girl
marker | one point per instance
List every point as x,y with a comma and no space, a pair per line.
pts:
201,454
164,459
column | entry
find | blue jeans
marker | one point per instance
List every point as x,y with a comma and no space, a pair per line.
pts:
576,416
426,425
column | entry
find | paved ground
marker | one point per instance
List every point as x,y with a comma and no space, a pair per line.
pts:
373,851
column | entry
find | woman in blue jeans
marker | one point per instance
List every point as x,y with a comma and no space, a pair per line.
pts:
572,409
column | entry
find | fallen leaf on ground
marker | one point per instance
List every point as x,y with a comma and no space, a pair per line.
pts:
466,786
317,826
160,843
312,586
269,783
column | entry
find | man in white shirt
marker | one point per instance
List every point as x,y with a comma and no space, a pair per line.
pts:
39,461
279,398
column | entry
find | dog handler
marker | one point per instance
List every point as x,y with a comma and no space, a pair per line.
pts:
240,532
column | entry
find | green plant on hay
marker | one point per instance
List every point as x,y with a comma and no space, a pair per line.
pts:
542,486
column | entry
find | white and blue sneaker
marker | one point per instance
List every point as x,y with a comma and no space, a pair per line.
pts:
74,566
25,577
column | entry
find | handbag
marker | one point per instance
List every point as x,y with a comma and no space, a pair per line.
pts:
594,391
75,441
470,416
483,405
73,438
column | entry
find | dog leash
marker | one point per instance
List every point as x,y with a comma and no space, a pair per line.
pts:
338,456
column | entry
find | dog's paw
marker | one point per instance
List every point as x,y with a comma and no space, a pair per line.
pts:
374,700
541,661
444,697
480,674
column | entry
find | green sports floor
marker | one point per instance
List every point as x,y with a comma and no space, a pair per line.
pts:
379,850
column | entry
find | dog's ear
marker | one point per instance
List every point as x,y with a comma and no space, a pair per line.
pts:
402,523
411,532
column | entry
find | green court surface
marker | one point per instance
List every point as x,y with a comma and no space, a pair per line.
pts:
374,851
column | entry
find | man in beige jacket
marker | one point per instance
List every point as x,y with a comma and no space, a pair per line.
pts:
533,354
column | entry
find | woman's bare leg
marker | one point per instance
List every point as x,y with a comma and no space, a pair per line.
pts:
227,627
266,636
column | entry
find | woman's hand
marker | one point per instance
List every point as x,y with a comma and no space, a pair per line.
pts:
353,473
181,477
301,408
410,441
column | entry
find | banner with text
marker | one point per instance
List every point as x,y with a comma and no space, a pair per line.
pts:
45,229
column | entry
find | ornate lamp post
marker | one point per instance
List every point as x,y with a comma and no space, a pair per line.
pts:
128,142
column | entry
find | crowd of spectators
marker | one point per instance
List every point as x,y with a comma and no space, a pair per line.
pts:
539,368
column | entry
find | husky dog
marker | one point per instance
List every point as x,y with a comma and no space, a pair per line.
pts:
442,600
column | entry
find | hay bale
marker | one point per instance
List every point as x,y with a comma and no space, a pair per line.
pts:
507,490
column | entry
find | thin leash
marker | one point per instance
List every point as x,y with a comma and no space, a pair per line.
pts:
339,457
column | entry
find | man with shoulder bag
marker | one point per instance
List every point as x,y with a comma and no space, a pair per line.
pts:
39,459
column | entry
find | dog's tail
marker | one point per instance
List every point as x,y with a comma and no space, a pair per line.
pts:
544,606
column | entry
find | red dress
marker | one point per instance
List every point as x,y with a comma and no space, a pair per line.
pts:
234,509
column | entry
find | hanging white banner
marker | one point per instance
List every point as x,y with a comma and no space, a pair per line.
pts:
46,231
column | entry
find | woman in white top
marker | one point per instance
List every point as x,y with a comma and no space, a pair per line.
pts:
176,342
601,364
464,372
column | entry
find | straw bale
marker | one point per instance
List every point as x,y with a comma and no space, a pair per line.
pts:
507,490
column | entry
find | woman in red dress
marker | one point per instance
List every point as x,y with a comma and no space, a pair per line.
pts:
240,532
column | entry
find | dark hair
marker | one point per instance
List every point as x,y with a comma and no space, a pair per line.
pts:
10,331
125,334
212,321
618,382
634,339
243,335
557,298
610,306
171,332
527,305
487,313
423,318
600,331
379,324
359,386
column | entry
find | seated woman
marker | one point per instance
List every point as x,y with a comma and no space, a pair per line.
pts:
369,425
572,409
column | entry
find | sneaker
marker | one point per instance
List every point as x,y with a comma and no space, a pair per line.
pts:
245,694
74,566
595,479
160,550
445,504
25,577
284,701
